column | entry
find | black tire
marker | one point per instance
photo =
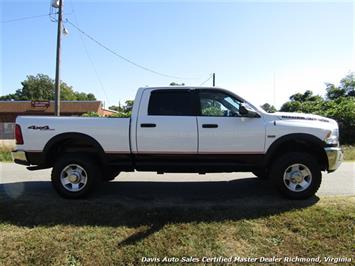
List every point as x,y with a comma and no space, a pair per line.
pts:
303,162
261,174
90,174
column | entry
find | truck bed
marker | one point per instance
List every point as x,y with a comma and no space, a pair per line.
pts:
111,133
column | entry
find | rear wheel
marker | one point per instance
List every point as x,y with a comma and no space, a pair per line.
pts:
296,175
74,175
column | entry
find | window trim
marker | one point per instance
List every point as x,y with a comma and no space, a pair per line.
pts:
228,93
194,99
219,91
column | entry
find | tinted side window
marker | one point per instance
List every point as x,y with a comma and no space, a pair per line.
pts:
171,102
215,103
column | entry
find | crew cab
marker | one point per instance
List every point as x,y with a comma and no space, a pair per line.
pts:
182,129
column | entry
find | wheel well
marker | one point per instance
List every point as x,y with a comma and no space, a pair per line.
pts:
299,145
72,143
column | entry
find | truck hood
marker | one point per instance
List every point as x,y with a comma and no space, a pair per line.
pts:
301,116
281,123
305,120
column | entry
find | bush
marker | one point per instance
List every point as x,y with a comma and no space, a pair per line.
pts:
341,109
91,114
116,115
121,115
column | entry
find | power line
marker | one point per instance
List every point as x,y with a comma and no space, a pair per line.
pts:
211,75
88,55
122,57
23,18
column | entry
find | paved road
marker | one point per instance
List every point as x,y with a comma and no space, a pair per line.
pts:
15,180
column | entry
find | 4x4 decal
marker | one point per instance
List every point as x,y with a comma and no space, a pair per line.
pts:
40,127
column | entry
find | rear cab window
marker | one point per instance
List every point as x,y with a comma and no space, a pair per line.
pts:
172,102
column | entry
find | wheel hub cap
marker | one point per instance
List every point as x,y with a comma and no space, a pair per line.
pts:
297,177
73,177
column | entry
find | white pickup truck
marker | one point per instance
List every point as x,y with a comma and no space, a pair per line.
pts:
182,129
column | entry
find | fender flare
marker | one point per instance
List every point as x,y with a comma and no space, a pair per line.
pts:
296,137
73,136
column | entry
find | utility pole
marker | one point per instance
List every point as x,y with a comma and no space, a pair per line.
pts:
274,88
214,79
57,66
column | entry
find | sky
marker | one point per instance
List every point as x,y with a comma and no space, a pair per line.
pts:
263,51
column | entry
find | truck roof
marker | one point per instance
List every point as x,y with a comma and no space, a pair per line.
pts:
181,87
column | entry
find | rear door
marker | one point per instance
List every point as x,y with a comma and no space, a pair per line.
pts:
166,122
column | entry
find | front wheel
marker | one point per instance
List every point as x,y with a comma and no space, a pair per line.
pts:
296,175
74,175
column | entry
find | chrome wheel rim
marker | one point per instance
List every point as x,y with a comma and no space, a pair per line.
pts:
73,178
297,177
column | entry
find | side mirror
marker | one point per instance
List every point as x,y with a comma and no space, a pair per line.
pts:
247,113
243,110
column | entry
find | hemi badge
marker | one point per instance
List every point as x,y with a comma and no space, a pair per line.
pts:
271,136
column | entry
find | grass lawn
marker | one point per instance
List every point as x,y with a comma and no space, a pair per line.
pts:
54,231
5,153
349,152
5,156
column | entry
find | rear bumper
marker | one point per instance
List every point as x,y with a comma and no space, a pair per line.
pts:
19,157
335,157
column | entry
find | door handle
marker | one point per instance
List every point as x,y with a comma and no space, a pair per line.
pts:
209,125
148,125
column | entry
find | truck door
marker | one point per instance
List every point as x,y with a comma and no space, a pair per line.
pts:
223,130
166,123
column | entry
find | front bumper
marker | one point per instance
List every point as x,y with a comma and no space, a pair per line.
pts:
19,157
335,157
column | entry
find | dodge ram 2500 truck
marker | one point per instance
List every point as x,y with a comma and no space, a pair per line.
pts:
182,129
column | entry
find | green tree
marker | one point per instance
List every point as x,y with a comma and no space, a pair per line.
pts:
295,104
268,108
348,84
338,104
334,92
291,106
117,108
121,115
41,87
304,97
346,88
126,108
91,114
123,111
